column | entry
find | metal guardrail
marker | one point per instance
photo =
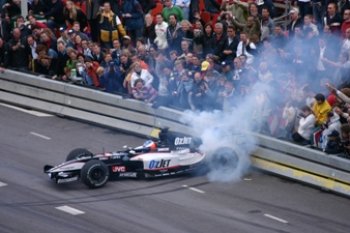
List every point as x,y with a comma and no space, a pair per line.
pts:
272,155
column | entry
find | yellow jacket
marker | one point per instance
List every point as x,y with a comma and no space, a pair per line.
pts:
321,112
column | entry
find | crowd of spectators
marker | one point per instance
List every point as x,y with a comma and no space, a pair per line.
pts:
198,55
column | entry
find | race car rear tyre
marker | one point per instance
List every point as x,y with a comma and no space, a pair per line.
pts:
224,159
94,174
78,153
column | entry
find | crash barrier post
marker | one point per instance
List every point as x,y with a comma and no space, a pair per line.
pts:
283,158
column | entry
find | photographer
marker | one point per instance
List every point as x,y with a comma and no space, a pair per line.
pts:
306,126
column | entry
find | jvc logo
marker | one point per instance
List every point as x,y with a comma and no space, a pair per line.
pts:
118,169
164,163
182,141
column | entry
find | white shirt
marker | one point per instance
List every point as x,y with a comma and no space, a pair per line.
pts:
160,39
306,126
241,49
144,75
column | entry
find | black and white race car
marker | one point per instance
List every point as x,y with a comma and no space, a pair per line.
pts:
172,154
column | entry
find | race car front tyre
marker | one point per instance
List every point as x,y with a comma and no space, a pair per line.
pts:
78,153
94,174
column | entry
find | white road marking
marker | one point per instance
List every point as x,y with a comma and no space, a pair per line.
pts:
40,136
194,189
247,179
32,112
69,210
2,184
276,218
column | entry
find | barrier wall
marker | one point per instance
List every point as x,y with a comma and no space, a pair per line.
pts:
272,155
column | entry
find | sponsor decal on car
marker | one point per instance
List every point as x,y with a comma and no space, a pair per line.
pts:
182,141
128,174
163,163
118,169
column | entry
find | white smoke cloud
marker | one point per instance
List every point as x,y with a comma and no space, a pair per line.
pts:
230,129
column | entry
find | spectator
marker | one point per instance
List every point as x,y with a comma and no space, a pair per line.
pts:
140,91
251,27
266,23
161,33
206,40
219,40
71,65
34,23
92,16
12,8
5,29
89,72
149,33
140,73
77,31
36,8
62,58
321,108
116,52
278,39
332,18
16,55
306,126
133,17
72,13
110,26
54,13
173,34
186,31
43,63
31,51
235,10
169,9
231,44
97,54
198,93
20,23
112,78
309,25
184,5
332,124
295,21
245,47
346,22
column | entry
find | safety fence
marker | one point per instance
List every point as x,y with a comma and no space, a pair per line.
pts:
279,157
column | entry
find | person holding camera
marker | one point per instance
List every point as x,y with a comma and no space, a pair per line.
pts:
306,126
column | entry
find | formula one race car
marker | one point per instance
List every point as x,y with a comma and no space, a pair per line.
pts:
172,154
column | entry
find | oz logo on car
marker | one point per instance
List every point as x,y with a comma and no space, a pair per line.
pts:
163,163
182,141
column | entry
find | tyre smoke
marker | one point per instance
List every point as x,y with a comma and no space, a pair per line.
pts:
226,134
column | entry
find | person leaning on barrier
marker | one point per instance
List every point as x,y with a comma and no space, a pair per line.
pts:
306,126
142,92
321,108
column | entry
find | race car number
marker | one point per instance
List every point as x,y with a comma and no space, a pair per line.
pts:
163,163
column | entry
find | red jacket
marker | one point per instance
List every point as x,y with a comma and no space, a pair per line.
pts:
91,72
345,25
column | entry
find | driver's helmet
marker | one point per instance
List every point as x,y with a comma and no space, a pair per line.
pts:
151,145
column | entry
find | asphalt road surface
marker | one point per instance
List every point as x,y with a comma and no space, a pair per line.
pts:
31,203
